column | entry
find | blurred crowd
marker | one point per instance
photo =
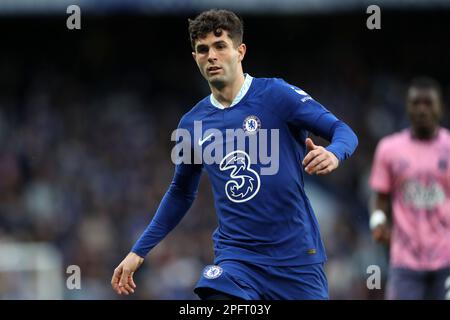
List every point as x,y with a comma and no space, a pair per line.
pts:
85,126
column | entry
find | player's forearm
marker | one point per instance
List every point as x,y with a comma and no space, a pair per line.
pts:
174,205
380,201
169,214
379,210
343,140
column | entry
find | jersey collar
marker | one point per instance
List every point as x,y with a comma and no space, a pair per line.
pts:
239,96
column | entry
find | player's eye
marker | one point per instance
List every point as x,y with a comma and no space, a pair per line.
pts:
425,102
202,49
220,46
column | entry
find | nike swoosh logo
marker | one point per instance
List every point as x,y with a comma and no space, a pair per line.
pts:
202,141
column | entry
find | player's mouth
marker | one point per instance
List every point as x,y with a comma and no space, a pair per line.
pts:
423,121
214,69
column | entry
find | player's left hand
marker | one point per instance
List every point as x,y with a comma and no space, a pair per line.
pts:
319,160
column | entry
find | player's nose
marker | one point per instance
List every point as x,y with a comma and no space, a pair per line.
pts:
422,109
212,56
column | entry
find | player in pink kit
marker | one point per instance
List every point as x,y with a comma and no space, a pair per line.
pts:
411,178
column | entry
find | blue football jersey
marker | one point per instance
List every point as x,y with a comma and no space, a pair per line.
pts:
252,153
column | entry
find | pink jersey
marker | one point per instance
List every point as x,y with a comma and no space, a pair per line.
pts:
417,176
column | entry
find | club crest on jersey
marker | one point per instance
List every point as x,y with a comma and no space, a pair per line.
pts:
251,124
212,272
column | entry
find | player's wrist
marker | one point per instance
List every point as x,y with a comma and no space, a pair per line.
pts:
377,218
334,155
136,255
335,159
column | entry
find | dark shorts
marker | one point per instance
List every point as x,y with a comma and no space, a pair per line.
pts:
258,282
407,284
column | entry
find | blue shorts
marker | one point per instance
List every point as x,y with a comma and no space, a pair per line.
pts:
407,284
259,282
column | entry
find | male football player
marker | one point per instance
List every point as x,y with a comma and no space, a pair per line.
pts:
411,182
267,244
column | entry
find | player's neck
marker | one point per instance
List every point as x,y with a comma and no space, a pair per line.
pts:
424,134
226,94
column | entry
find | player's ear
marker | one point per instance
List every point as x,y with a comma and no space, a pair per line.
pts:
194,55
242,49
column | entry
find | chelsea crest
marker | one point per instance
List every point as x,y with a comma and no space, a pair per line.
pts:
251,124
212,272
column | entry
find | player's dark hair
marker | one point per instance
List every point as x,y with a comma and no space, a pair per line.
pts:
425,82
216,20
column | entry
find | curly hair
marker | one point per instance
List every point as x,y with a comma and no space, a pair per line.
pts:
216,20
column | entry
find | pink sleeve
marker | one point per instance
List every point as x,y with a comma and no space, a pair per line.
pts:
380,176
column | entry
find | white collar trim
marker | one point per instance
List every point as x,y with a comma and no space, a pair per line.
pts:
239,96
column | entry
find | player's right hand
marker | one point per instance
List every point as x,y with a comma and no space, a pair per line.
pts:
318,160
382,233
122,279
